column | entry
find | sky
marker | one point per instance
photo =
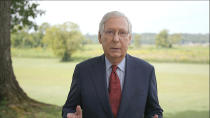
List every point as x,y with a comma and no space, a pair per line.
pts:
145,16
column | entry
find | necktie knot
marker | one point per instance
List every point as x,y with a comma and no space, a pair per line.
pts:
114,68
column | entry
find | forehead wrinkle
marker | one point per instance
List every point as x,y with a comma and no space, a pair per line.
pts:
119,25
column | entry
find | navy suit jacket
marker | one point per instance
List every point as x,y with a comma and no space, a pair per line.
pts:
89,90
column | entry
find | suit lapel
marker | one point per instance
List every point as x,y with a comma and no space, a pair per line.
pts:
99,80
127,87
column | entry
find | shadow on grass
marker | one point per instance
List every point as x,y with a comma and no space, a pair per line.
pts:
188,114
32,110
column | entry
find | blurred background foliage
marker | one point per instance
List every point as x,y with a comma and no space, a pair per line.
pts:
66,42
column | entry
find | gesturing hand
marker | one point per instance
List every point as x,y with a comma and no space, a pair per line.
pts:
77,114
155,116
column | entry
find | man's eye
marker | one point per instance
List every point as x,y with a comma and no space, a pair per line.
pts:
122,32
109,32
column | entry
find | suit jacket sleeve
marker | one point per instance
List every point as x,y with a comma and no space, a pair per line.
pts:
152,104
73,98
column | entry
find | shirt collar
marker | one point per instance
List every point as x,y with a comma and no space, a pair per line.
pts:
121,65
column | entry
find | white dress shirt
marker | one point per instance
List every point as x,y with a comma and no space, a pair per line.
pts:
120,71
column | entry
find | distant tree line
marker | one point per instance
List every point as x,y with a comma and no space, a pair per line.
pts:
24,38
66,38
149,38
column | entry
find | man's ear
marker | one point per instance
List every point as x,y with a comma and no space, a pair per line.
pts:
99,37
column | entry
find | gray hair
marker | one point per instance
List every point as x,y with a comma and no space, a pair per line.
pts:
113,14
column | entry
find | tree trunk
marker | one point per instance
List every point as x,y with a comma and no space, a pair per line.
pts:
66,56
10,91
14,103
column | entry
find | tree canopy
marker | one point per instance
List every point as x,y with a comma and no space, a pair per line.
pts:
64,39
22,14
163,39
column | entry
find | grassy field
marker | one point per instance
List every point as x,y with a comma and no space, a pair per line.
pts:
183,54
183,88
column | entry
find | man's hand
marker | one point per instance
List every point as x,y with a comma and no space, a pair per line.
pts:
77,114
155,116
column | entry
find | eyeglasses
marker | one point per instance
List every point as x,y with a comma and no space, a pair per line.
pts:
112,33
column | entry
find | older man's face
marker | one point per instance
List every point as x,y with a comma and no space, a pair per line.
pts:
115,37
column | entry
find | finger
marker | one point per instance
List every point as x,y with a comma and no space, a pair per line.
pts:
78,110
155,116
68,115
71,115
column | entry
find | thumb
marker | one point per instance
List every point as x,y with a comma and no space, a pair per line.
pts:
155,116
78,110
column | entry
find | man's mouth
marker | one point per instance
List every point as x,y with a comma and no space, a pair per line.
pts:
115,48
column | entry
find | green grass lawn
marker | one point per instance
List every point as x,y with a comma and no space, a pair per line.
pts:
183,88
184,54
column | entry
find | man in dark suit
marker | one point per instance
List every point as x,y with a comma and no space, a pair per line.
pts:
116,84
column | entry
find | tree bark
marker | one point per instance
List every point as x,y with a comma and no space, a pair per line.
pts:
10,90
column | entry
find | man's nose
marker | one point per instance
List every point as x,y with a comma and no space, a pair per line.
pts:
116,37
